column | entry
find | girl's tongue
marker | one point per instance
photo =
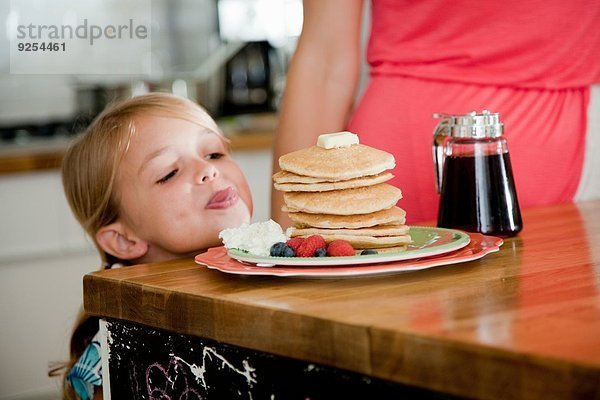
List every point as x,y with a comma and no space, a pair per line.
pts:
223,199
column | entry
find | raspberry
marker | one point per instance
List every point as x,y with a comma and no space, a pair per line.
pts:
306,249
318,240
310,245
295,242
340,248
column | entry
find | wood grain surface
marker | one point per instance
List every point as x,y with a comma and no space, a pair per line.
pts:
522,323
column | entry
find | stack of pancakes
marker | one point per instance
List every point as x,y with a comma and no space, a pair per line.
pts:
340,193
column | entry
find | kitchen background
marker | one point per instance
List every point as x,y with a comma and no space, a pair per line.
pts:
229,55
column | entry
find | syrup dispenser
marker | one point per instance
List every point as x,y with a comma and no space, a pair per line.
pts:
474,175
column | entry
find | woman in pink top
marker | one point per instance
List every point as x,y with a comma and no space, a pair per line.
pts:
533,61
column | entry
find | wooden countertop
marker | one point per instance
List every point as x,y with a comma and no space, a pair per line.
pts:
522,323
44,154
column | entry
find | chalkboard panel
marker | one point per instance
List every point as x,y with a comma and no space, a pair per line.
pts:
147,363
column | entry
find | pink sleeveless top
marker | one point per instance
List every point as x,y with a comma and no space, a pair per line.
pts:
530,60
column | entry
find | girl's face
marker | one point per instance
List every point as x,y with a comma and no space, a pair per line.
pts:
179,187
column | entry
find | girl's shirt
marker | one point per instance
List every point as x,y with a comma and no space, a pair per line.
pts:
86,374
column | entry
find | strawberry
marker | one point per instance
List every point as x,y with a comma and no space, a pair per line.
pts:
295,242
310,245
340,248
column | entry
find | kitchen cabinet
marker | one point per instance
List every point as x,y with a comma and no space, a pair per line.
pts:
36,220
43,257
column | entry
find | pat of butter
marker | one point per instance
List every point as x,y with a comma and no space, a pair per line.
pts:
335,140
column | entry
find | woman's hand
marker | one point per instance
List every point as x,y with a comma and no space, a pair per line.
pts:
321,82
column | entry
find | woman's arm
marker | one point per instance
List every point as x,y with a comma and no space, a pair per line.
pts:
321,82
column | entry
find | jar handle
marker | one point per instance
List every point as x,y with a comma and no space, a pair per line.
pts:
440,135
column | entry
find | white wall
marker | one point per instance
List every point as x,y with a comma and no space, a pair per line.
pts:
257,168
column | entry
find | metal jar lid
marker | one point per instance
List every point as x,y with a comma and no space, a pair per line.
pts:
471,125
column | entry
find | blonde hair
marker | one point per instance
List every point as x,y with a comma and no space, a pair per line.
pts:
90,165
89,175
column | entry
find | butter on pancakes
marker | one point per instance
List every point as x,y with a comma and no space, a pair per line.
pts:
337,189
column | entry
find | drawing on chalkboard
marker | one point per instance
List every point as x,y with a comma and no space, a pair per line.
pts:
161,381
208,352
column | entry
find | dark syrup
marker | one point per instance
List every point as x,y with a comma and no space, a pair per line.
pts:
478,195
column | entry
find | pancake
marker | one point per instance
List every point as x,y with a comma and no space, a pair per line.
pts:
362,200
289,177
338,185
369,242
337,164
375,231
340,193
394,215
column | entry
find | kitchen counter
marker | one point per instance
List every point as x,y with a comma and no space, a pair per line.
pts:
522,323
252,133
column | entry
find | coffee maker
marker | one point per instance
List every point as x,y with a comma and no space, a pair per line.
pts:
249,80
254,75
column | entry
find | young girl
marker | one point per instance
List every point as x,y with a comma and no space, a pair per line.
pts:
151,179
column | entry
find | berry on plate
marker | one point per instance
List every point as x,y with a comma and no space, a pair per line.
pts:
321,252
367,252
310,245
340,248
281,249
295,242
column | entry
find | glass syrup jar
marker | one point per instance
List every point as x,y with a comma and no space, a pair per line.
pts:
474,175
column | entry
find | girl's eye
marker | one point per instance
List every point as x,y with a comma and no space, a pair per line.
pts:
214,156
167,177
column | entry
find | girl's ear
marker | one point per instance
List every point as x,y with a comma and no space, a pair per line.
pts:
116,240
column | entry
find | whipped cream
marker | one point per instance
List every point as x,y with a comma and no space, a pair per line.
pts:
256,238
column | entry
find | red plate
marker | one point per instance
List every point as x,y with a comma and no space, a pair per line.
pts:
479,245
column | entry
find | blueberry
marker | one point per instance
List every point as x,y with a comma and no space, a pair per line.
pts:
288,251
366,252
281,249
320,252
277,249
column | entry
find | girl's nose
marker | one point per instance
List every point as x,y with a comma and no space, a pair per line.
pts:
206,172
